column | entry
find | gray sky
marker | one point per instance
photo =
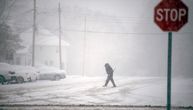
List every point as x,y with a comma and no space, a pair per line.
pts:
121,32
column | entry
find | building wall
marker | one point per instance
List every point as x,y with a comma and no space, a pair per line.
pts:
49,55
22,59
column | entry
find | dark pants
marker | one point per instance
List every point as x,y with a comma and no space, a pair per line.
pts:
110,78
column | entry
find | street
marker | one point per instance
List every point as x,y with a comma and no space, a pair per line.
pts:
88,90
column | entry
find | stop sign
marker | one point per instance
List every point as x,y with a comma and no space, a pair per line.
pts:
171,15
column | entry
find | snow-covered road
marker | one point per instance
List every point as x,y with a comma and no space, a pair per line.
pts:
89,90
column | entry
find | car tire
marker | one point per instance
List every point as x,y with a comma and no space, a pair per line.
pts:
19,79
2,79
57,77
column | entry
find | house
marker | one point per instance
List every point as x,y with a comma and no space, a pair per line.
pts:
46,49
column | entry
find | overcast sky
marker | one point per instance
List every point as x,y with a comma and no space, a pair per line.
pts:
121,32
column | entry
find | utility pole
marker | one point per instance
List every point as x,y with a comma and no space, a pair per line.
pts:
60,48
34,34
84,49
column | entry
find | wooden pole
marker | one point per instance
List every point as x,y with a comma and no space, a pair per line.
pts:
60,48
34,34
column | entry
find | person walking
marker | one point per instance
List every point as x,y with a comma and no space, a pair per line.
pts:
109,72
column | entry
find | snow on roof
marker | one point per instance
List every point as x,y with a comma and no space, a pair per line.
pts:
43,38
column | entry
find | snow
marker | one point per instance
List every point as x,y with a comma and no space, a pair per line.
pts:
8,67
5,67
89,90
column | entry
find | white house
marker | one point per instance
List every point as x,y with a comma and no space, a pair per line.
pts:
46,49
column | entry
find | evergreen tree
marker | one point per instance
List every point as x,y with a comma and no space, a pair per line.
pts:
10,42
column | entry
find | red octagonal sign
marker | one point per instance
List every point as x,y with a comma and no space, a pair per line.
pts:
171,15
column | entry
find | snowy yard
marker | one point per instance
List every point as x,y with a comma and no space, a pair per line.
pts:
89,90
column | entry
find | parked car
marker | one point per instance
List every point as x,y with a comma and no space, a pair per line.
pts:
25,74
4,73
50,73
15,73
4,77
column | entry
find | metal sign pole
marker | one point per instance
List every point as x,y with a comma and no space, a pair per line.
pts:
169,71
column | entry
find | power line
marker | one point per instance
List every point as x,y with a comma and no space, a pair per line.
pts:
129,33
25,12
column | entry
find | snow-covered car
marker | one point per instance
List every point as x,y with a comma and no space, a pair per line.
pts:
50,73
4,73
15,73
25,73
4,77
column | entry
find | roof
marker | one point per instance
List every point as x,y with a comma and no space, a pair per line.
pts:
43,38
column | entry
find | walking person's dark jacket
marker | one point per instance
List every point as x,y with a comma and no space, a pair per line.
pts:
109,71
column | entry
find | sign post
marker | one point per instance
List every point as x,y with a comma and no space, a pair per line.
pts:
169,70
170,16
